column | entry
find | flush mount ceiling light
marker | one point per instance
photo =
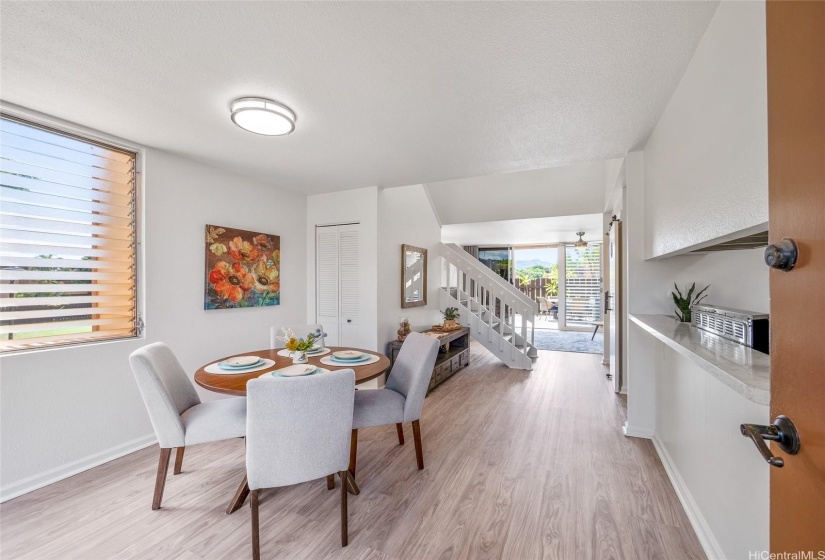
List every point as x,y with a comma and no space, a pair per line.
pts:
581,243
262,116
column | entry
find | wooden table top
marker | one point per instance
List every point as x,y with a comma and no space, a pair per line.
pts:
235,384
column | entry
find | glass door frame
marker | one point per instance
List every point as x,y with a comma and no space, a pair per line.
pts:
563,326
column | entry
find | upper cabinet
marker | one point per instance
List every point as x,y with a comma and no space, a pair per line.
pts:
706,162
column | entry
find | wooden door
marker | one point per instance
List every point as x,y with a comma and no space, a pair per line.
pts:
796,147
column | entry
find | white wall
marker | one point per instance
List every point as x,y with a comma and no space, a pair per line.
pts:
357,205
559,191
706,162
405,217
64,410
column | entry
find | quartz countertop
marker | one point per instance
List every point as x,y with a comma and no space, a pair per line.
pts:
746,371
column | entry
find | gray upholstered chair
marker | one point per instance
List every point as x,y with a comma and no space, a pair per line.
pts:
177,413
299,330
402,398
297,430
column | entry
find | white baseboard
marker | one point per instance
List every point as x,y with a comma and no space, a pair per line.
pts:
56,474
700,526
630,431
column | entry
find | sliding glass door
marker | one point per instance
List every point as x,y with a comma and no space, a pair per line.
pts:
583,285
497,259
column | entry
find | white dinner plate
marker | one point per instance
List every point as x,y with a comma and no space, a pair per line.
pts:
297,370
348,355
242,361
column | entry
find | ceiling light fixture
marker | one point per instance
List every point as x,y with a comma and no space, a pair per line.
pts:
581,243
263,116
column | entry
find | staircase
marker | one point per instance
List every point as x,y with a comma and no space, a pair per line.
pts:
488,305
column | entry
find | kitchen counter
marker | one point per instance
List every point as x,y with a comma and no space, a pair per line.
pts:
746,371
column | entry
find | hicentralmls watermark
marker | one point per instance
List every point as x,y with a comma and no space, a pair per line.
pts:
799,555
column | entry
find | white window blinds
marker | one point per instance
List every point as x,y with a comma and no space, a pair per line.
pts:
583,284
67,239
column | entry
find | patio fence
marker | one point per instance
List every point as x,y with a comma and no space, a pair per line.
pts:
535,288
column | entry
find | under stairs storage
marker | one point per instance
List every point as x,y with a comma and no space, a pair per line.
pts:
499,316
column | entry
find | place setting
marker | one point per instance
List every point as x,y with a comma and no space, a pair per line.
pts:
349,358
239,364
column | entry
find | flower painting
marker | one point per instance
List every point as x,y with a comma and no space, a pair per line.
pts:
242,268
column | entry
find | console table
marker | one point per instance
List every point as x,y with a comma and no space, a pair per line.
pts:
453,355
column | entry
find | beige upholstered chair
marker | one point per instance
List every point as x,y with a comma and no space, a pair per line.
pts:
177,414
298,429
402,399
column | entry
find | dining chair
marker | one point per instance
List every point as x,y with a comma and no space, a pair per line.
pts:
402,398
544,307
297,430
300,331
177,414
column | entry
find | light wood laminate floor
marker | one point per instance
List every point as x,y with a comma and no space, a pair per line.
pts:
519,465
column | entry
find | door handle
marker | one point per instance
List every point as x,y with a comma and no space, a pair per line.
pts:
782,431
782,255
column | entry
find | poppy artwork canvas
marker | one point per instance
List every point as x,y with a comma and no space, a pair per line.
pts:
242,268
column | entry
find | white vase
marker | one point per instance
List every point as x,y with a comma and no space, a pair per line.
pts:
299,357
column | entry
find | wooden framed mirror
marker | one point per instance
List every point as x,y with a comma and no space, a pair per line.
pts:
413,276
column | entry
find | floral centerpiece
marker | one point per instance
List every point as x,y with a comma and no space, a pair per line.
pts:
298,346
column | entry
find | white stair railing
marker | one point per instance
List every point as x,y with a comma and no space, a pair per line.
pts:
489,305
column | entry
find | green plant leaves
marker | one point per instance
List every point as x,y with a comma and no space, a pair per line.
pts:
683,303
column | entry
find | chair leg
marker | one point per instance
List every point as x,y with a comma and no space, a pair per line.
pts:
240,496
256,535
352,486
178,460
353,452
419,451
344,529
400,429
160,481
330,481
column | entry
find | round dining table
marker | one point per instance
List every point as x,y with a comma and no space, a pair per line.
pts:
235,384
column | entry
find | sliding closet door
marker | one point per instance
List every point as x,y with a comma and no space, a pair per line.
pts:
337,284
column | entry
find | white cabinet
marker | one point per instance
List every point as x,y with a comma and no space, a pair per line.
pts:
338,286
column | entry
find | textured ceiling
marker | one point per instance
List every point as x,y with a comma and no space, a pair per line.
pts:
386,94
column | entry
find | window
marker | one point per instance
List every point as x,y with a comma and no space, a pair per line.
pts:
67,239
496,259
583,284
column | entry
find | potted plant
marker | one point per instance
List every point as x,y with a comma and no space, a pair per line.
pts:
683,303
297,346
450,315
